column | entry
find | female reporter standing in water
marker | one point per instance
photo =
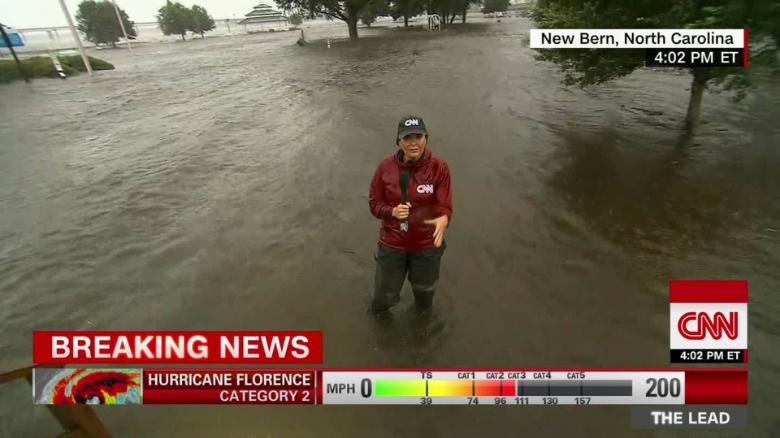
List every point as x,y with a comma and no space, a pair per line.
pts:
410,193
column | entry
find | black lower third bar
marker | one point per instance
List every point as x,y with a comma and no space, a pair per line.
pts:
707,356
695,58
577,388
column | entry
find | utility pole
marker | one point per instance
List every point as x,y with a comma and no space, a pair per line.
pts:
76,37
124,31
13,53
122,25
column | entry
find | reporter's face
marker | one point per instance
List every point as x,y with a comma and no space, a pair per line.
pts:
413,145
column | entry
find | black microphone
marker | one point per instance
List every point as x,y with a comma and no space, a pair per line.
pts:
403,182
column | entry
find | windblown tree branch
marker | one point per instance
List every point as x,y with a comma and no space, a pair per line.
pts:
347,10
98,21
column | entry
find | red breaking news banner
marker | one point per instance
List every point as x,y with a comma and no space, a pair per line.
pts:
180,347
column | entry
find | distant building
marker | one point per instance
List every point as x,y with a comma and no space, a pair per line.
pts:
264,18
521,7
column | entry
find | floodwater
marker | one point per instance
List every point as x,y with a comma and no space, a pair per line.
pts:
222,185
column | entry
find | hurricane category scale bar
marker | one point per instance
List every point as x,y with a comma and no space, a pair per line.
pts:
536,387
389,387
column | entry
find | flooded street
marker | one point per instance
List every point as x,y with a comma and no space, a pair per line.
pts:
222,184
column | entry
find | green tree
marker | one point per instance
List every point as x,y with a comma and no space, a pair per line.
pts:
595,66
97,21
448,9
200,20
465,7
367,17
490,6
295,19
442,8
174,19
406,9
373,9
347,10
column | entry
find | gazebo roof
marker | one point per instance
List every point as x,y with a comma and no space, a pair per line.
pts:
263,13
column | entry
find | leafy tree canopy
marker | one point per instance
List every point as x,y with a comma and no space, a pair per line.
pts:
174,19
98,22
594,66
490,6
200,20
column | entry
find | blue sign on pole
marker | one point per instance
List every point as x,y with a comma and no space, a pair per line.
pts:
14,37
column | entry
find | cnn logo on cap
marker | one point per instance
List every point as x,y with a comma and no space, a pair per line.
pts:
708,314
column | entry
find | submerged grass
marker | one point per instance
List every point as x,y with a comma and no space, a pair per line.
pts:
43,67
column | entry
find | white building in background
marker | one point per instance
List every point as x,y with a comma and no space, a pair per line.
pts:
263,18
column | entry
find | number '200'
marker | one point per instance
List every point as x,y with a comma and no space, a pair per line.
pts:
663,387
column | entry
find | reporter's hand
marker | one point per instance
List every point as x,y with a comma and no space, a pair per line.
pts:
401,211
440,224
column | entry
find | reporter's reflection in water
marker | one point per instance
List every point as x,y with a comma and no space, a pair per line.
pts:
410,193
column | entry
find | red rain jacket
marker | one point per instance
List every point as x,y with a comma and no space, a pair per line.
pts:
428,192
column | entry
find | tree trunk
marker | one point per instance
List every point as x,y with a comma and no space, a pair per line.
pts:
113,44
464,15
694,103
406,21
182,37
452,17
352,24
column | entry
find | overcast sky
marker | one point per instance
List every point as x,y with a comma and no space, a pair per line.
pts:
39,13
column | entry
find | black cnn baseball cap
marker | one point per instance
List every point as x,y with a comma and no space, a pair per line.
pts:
411,125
